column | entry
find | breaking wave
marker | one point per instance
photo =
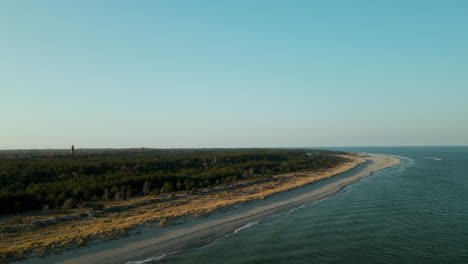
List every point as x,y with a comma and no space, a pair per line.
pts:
152,259
245,226
432,158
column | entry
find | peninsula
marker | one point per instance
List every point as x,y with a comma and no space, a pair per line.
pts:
162,200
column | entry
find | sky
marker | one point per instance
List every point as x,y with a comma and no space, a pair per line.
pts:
244,73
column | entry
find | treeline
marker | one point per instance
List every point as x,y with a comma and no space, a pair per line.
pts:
63,181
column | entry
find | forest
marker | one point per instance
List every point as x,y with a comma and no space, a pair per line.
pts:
51,180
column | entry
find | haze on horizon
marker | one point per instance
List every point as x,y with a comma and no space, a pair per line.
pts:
243,73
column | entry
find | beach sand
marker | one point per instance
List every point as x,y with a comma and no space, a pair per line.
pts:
153,242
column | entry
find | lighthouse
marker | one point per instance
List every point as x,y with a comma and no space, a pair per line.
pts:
72,150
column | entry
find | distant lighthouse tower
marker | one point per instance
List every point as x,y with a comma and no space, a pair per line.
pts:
72,150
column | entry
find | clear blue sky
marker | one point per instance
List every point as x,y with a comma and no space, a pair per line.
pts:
242,73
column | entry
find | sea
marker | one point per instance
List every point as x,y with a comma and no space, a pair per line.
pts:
415,212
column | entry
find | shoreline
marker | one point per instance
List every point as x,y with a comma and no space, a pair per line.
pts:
149,242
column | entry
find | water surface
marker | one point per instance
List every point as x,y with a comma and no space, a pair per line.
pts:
415,212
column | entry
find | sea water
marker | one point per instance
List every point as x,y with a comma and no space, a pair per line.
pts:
415,212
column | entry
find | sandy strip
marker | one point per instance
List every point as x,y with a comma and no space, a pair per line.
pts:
154,241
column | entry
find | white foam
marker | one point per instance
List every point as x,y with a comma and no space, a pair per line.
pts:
246,226
147,260
347,189
400,157
432,158
306,204
294,209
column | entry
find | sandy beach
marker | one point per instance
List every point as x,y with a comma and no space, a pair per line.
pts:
153,242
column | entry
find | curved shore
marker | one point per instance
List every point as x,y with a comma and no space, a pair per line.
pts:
153,241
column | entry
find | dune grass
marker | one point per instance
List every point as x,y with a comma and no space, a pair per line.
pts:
43,240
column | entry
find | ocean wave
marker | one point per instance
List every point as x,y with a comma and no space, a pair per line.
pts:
250,224
294,209
401,157
346,190
147,260
432,158
307,204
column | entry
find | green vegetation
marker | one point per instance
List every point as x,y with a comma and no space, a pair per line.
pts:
58,180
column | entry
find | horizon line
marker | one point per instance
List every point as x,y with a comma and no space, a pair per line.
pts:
175,148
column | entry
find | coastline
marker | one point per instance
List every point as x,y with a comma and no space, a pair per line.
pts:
149,242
